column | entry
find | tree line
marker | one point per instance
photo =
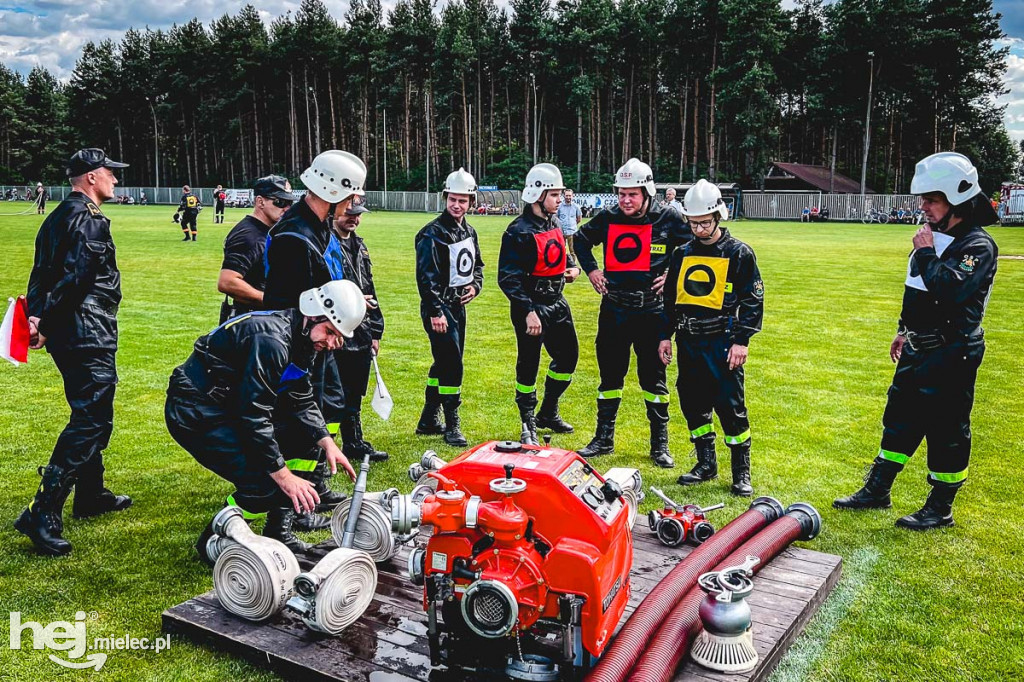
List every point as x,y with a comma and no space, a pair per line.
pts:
697,88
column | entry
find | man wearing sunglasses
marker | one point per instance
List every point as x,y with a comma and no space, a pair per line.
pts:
73,294
714,299
243,274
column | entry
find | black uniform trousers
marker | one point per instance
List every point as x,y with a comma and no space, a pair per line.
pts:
931,397
214,439
444,380
558,337
90,377
328,390
354,368
188,221
706,385
619,331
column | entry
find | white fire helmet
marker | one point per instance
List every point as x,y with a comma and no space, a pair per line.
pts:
335,175
340,301
541,178
460,182
950,173
635,173
704,198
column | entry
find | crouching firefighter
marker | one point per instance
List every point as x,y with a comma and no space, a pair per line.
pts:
243,406
939,343
533,267
714,299
638,239
449,274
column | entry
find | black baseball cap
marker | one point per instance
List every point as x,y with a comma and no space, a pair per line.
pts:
273,187
356,209
86,160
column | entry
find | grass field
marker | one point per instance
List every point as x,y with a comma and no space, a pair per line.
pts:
939,606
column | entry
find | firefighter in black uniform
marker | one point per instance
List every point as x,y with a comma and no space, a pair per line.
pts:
243,273
303,253
243,406
218,205
356,356
73,294
939,343
533,267
714,298
40,198
638,239
188,211
449,274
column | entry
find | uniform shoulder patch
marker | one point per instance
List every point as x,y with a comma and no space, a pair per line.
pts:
968,263
93,208
759,288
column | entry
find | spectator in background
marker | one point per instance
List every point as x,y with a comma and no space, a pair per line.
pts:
671,201
143,200
805,215
569,218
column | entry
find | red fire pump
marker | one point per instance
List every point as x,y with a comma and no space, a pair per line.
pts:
528,562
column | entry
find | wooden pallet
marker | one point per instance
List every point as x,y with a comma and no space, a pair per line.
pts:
389,643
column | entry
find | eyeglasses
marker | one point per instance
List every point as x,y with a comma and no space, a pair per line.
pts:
282,203
702,225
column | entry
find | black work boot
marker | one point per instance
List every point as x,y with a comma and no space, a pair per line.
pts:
603,442
706,468
365,445
279,527
657,414
307,522
875,492
430,419
741,470
452,425
329,499
527,403
42,521
91,497
187,238
548,417
937,511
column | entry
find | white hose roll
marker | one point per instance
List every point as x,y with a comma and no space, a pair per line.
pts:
253,576
632,488
344,581
373,528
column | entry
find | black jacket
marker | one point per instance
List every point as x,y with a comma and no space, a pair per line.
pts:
959,283
75,286
295,257
190,204
696,289
253,372
532,262
359,269
636,249
439,280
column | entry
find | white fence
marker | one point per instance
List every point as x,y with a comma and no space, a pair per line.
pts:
789,205
429,202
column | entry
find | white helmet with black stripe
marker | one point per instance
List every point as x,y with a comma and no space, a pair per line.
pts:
340,301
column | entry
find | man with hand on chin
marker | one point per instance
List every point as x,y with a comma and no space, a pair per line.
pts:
939,344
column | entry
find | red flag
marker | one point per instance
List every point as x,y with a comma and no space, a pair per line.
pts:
14,336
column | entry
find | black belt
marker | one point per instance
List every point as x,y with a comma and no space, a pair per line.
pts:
549,287
104,304
635,299
707,326
933,339
453,295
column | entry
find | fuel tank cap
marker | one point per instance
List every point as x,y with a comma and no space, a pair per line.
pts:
508,446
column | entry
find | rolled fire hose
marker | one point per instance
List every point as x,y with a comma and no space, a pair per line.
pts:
672,641
253,575
632,486
373,528
634,636
335,593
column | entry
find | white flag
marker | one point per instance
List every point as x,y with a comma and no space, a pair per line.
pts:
382,403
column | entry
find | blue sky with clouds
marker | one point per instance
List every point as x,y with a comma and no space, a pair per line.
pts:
51,32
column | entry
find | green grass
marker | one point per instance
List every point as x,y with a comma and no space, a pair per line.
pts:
938,606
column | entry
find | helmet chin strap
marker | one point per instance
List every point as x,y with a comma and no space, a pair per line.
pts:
943,224
710,239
